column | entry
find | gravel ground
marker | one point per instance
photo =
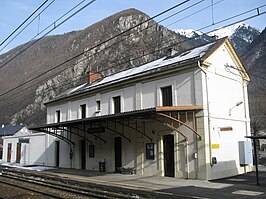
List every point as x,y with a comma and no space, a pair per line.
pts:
7,190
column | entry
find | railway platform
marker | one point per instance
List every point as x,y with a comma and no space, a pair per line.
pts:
241,186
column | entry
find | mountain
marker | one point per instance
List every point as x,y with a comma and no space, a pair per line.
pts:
254,58
48,62
240,34
189,33
194,35
57,63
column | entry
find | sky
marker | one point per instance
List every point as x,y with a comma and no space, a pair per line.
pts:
192,14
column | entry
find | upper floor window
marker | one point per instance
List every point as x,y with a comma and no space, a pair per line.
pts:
83,111
98,105
167,99
58,116
117,104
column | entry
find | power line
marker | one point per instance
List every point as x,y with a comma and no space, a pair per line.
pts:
121,41
189,39
235,16
153,51
109,39
197,36
193,13
105,48
24,22
53,25
212,12
79,79
27,25
198,2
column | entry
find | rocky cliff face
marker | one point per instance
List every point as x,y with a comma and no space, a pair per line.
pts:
243,36
135,47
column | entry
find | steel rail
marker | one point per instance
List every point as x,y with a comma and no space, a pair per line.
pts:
67,188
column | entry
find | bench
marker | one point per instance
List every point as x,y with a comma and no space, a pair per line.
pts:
127,170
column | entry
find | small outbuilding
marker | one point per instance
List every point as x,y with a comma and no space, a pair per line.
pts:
23,147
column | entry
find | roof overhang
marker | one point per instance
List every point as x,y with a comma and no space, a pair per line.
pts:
138,114
163,115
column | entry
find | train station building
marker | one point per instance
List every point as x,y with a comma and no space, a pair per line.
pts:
183,116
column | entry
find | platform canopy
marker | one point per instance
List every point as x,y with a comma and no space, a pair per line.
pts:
169,116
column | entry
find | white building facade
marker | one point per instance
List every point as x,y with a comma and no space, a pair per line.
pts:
26,148
180,117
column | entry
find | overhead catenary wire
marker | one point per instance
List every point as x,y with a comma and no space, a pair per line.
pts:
78,79
193,38
38,16
109,39
23,22
238,15
194,13
53,25
212,12
57,25
198,2
235,22
118,42
199,35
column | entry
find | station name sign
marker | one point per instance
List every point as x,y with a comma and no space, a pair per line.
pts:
24,140
96,130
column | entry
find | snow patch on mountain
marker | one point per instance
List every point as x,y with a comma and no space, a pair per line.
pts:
230,30
188,32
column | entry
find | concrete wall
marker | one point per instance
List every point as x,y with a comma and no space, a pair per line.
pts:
138,96
228,109
35,152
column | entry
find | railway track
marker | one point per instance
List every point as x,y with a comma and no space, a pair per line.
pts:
22,189
51,188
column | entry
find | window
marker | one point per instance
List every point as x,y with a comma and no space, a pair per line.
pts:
117,104
58,115
98,106
91,151
150,151
83,111
167,96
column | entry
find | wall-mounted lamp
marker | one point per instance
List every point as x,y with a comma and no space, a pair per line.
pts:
237,104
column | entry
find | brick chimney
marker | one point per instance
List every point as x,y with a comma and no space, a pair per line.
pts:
93,76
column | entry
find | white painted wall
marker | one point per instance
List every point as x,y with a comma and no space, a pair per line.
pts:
225,89
33,152
184,94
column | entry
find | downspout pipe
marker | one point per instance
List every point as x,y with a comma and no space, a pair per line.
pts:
245,99
208,111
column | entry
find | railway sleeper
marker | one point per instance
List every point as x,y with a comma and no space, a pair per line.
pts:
66,186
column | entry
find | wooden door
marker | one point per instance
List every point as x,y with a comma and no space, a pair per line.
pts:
57,153
118,153
169,159
9,147
18,155
83,154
